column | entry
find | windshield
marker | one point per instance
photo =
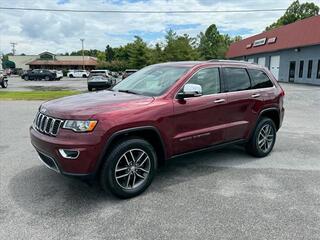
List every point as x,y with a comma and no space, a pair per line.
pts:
151,81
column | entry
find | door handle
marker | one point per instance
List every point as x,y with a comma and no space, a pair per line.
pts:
255,95
221,100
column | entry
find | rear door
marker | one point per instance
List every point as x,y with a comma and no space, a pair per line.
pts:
243,103
198,122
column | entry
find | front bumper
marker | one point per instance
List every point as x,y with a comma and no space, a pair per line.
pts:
88,145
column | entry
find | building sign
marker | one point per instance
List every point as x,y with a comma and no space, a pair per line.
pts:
272,40
259,42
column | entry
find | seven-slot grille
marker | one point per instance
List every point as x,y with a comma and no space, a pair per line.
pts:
46,124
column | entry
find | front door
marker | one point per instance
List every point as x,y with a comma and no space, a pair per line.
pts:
199,120
274,66
292,70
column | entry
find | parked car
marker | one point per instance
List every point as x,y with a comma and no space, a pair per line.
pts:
128,72
101,72
160,112
99,82
59,74
39,74
3,79
77,74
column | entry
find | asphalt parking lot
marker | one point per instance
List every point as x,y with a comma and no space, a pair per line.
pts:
16,83
224,194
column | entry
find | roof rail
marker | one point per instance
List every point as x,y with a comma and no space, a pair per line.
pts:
230,61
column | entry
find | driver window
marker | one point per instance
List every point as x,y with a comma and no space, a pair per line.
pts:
208,79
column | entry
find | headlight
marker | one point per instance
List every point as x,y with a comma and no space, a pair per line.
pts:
80,126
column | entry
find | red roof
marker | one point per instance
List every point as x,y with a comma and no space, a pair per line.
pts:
86,62
304,32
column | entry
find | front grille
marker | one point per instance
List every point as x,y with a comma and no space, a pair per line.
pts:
47,125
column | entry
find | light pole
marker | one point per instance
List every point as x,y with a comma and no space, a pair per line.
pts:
82,40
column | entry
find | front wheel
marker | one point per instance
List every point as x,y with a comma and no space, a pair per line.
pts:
4,84
263,139
129,169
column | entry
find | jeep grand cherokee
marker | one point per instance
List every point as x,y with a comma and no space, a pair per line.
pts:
162,111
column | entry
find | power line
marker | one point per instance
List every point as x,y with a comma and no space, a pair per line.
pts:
142,11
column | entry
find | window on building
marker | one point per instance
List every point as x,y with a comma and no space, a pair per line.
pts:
259,79
318,70
309,69
237,79
208,79
301,69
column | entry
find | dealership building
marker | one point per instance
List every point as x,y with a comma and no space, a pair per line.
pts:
47,60
291,52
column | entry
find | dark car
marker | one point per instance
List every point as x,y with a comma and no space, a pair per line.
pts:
160,112
99,82
39,74
128,72
3,79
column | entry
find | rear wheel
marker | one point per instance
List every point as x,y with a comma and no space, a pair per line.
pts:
129,169
26,78
70,76
84,76
263,138
47,78
90,88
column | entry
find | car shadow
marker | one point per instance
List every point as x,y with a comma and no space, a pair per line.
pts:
43,192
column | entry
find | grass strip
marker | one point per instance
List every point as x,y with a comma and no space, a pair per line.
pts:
35,95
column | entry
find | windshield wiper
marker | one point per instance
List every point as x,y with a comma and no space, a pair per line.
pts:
128,91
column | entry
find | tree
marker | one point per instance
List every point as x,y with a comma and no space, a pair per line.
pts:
210,43
138,53
109,53
179,48
296,11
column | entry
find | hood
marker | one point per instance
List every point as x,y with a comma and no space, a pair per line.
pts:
84,106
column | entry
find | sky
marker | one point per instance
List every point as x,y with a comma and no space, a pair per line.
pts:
60,32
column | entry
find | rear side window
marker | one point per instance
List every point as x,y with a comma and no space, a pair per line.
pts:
259,79
237,79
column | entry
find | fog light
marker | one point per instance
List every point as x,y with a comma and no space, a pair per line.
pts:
69,154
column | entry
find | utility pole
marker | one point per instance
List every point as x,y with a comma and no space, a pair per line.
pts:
13,44
82,40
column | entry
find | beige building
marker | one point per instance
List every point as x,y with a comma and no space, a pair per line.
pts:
47,60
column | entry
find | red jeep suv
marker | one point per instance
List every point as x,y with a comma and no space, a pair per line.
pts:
162,111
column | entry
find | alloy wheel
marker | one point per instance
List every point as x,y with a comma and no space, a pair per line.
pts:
132,169
266,138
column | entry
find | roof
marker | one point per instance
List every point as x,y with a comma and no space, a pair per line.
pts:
87,62
301,33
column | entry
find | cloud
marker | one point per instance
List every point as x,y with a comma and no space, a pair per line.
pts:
61,31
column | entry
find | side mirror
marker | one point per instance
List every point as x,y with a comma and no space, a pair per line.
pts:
190,90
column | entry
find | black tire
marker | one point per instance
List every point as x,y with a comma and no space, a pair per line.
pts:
84,76
47,78
4,84
26,78
108,179
90,89
253,148
70,76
